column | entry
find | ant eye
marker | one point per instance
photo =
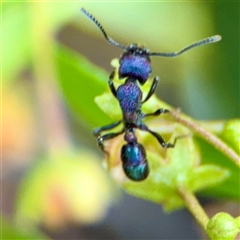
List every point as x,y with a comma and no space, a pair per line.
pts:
145,51
132,48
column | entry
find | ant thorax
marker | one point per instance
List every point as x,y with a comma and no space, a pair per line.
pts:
129,96
135,63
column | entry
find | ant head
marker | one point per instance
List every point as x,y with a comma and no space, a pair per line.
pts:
135,63
135,49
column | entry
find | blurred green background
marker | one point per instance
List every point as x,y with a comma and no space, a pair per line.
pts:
52,172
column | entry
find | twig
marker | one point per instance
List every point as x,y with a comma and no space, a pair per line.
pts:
193,206
208,136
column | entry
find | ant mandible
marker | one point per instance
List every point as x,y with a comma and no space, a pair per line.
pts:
135,66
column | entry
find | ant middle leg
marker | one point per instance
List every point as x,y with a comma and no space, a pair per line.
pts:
152,89
156,113
97,131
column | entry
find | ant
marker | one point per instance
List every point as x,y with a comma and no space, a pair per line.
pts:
135,66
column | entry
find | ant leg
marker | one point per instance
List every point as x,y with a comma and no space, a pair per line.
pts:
105,137
156,113
181,136
152,89
97,131
158,137
111,85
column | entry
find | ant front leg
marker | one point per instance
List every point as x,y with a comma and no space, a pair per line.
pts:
158,137
152,89
111,85
97,131
105,137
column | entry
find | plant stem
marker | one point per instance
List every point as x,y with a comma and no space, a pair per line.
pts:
208,136
193,206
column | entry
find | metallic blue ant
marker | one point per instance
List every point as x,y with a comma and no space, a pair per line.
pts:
135,66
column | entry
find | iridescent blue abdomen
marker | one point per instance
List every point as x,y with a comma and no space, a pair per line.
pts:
134,161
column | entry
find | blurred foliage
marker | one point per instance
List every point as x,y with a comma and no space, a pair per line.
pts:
17,143
59,177
8,231
17,33
72,190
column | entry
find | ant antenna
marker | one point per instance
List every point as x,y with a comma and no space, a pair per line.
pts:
110,40
208,40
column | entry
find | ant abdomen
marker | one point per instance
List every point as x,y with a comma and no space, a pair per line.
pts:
134,161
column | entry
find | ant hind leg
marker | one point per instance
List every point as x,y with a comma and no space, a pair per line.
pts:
158,137
162,142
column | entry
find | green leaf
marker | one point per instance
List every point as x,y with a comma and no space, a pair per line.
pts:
207,175
229,187
81,82
231,134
